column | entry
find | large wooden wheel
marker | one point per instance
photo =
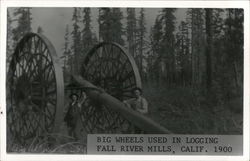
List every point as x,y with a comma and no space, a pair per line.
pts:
35,89
112,69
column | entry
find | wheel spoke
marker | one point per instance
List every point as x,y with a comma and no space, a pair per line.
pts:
31,75
109,67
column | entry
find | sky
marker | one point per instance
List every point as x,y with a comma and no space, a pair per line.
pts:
54,20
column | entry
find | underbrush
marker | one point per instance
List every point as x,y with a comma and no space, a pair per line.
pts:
50,143
184,110
180,110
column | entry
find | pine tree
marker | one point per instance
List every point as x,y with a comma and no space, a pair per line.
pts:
217,27
131,31
117,27
76,37
23,23
9,39
110,26
141,41
104,21
208,14
88,38
66,48
234,45
197,25
40,30
168,44
183,55
156,36
156,49
217,23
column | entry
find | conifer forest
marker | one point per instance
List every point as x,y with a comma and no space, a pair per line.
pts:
191,65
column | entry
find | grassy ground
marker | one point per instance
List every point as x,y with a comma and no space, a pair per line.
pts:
53,143
180,110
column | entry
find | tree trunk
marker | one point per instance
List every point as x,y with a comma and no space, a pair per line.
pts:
236,74
208,48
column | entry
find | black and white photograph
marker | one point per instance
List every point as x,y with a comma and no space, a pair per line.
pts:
76,71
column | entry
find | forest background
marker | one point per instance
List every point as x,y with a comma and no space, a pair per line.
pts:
191,68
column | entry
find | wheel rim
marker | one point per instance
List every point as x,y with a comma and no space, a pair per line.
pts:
33,94
111,68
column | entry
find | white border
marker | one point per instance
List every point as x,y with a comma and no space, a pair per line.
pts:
125,3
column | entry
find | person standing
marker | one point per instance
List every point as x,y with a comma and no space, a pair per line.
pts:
73,113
